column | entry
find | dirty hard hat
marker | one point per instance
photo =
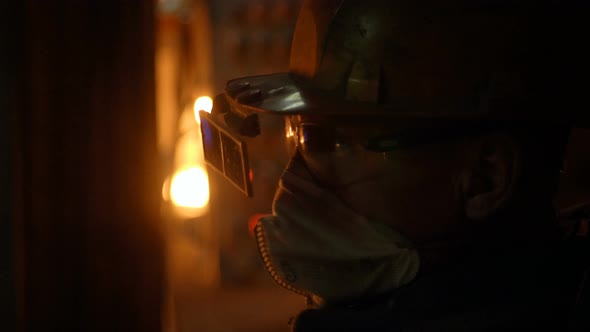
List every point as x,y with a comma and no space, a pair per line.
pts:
457,59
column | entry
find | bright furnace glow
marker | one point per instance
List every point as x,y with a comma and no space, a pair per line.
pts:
290,132
204,103
190,188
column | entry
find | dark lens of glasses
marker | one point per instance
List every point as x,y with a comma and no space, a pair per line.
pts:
318,139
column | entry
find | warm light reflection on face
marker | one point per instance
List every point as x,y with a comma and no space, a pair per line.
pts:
203,103
190,188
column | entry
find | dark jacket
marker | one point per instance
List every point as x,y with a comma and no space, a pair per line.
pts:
538,288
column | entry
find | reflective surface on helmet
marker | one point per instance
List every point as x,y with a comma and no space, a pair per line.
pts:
276,92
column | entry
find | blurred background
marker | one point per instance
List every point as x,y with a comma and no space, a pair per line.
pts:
215,279
110,220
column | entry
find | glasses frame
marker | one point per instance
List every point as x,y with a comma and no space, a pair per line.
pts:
404,139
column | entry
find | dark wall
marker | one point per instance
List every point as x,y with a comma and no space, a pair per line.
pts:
7,244
7,293
575,180
85,178
9,41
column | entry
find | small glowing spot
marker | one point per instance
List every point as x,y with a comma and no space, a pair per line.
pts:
290,132
190,188
204,103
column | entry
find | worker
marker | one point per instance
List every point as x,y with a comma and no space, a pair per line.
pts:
429,141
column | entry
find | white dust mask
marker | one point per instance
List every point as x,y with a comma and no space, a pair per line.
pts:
314,244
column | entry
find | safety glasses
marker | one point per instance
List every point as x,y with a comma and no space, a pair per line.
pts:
316,138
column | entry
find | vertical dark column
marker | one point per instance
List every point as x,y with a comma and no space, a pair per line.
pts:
7,244
11,42
86,175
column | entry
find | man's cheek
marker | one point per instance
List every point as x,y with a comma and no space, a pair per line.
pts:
343,170
368,198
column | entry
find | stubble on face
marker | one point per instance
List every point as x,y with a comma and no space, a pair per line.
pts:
414,191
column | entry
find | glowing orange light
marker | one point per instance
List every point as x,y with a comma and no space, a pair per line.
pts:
290,132
253,220
203,103
190,188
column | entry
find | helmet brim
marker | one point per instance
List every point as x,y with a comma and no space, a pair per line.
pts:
287,94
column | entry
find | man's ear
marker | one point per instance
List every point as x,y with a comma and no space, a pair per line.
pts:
489,180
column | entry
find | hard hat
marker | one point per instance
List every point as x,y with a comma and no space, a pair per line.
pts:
458,59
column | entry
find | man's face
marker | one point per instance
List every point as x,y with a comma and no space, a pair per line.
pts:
414,190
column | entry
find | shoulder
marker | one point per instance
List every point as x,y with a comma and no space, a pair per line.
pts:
575,221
